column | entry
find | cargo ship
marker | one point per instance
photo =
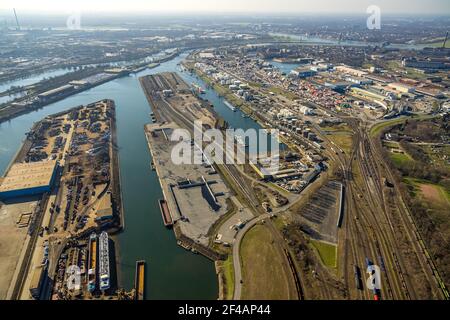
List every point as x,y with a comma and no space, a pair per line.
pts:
92,264
104,261
167,219
198,88
229,105
139,280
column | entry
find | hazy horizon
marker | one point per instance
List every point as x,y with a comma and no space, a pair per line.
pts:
441,7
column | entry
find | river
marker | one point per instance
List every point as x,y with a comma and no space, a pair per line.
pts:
308,40
172,272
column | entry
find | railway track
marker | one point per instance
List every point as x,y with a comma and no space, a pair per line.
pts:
362,239
372,166
412,232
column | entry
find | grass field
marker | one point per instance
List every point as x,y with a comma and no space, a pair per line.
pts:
228,272
264,275
400,159
327,253
337,128
343,140
379,127
434,194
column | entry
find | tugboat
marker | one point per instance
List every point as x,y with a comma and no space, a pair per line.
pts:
198,88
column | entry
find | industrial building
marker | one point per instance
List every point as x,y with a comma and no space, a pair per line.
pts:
303,72
367,94
27,179
351,71
401,87
425,64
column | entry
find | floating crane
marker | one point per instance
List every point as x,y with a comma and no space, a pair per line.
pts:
17,20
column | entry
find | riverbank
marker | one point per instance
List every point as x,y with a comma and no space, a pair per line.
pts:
14,109
173,273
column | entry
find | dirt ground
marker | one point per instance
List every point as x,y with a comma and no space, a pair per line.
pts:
11,241
433,194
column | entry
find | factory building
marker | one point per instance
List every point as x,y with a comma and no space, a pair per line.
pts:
425,64
303,72
400,87
351,71
359,80
28,179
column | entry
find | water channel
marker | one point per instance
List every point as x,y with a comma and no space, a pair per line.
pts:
172,272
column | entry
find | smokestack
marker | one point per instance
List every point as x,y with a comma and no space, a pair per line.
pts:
17,20
445,41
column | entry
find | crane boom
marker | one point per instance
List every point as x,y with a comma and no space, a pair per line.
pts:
17,20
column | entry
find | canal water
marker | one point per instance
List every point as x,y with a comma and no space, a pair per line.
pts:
172,272
26,81
285,68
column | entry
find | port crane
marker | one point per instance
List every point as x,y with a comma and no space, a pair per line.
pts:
17,20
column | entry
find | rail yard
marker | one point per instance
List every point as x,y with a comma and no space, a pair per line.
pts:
367,221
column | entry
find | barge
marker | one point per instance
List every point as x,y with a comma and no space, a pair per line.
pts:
139,280
104,261
167,219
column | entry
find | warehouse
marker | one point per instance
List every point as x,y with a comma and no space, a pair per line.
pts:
26,179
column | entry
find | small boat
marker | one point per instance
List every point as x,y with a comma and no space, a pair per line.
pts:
229,105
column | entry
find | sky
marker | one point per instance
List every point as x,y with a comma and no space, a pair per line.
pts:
231,6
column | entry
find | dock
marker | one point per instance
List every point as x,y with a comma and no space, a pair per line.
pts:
139,280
